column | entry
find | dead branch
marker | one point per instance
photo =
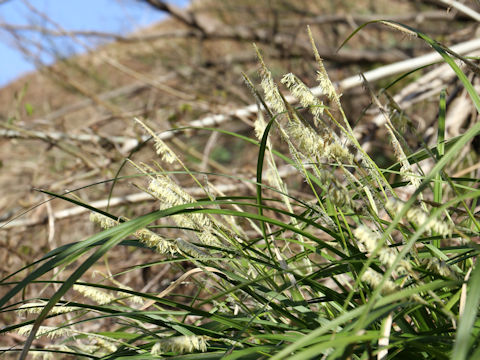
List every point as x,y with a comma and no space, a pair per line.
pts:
184,16
69,149
221,189
99,34
108,60
417,18
237,34
248,111
343,85
363,18
54,136
117,201
121,91
50,32
430,85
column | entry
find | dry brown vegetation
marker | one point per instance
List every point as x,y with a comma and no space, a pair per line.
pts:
184,69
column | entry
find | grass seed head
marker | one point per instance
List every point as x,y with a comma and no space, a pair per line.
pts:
180,344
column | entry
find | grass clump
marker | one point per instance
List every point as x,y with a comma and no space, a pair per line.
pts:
356,266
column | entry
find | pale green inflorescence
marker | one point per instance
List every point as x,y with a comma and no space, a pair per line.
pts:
272,94
50,331
160,244
97,295
373,278
131,298
103,343
259,127
406,170
322,75
50,355
340,153
304,141
440,267
180,344
303,94
37,307
161,148
149,238
307,141
420,217
310,142
170,194
386,255
104,221
327,86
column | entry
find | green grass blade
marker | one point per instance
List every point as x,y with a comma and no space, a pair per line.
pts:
468,318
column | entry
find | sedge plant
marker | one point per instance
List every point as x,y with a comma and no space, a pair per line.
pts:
354,266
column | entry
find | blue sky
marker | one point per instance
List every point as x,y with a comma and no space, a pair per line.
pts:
118,16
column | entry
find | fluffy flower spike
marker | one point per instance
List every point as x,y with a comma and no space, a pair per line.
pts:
161,148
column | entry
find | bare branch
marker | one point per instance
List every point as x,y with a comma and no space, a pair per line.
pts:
363,18
343,85
121,200
247,111
186,17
